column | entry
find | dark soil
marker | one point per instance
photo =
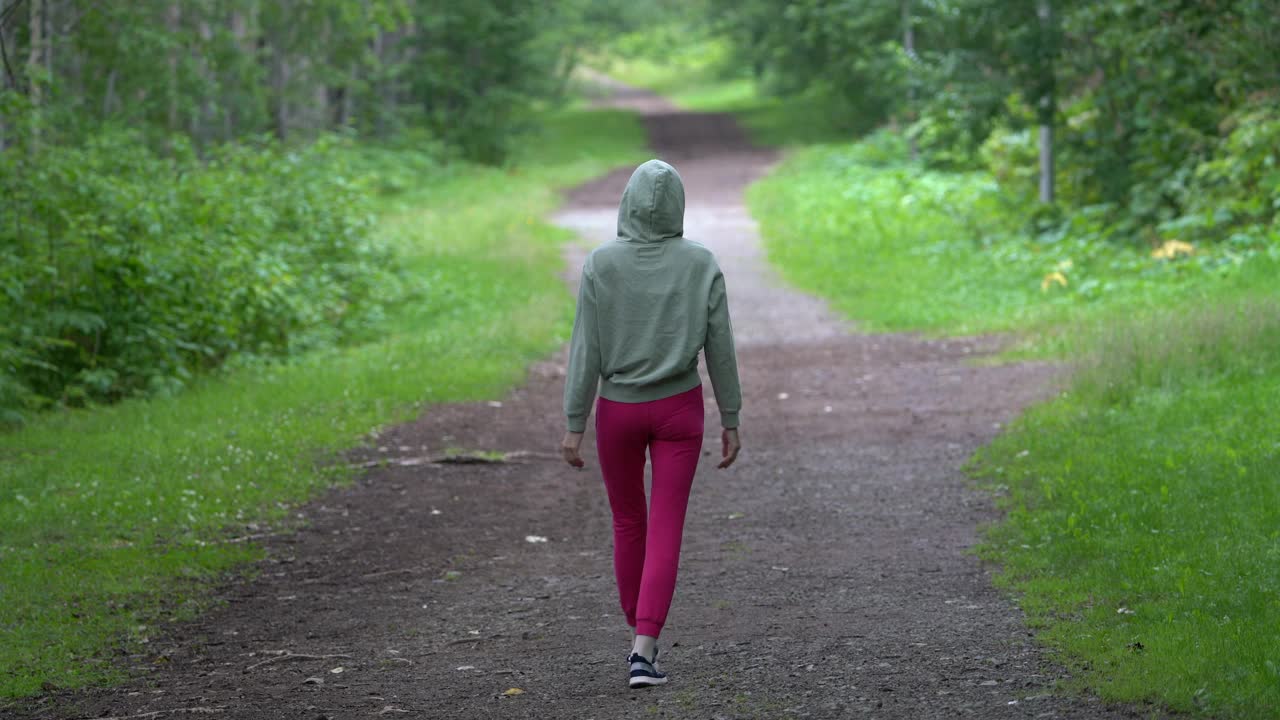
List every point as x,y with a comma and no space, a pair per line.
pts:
826,575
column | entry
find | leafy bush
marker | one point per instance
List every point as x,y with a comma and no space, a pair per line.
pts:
1235,195
126,272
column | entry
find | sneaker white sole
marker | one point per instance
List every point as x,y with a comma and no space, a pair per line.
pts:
644,682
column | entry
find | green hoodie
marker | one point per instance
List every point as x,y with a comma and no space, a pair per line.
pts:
648,302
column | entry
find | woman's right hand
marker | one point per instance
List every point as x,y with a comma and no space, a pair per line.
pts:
729,447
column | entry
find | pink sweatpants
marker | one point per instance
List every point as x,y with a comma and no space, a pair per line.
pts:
646,541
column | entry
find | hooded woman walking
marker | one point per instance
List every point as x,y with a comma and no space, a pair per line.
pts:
649,301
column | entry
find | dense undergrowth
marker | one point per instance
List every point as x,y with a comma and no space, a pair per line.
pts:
126,272
117,519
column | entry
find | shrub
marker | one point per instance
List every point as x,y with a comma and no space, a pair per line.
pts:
127,272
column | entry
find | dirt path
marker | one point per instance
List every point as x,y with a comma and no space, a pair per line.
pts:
826,576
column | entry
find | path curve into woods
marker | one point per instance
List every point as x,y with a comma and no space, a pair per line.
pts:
825,576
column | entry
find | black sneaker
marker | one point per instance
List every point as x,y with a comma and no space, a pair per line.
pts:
643,672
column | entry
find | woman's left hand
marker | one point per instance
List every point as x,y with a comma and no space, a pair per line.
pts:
569,449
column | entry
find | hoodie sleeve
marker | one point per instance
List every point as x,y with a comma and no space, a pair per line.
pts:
583,374
722,361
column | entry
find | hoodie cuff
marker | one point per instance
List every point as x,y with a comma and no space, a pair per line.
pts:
577,423
728,420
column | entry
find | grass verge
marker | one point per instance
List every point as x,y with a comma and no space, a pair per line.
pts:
1143,516
117,519
899,247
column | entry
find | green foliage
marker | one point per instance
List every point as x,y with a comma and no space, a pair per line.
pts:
1234,196
126,272
1142,510
923,249
223,70
118,519
1143,95
480,66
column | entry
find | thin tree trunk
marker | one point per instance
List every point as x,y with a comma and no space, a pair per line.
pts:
279,85
909,46
231,109
109,96
1048,101
1046,163
279,72
36,39
379,116
173,16
7,46
202,122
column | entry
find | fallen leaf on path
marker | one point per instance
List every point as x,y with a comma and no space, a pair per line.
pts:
495,404
313,681
534,539
513,691
783,396
736,515
465,667
337,670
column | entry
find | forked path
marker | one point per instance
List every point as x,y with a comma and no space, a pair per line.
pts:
824,576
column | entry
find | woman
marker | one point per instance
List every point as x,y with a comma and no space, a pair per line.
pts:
649,301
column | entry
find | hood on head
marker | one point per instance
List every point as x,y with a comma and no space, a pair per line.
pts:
652,208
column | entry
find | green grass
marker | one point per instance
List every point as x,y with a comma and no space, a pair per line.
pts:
1143,526
898,247
116,520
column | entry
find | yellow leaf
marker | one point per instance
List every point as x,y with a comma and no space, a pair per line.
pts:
1051,279
513,691
1173,249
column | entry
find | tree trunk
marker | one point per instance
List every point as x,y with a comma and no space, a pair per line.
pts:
909,47
379,89
231,110
279,80
202,121
7,44
279,88
1048,102
109,95
173,15
1046,163
35,91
